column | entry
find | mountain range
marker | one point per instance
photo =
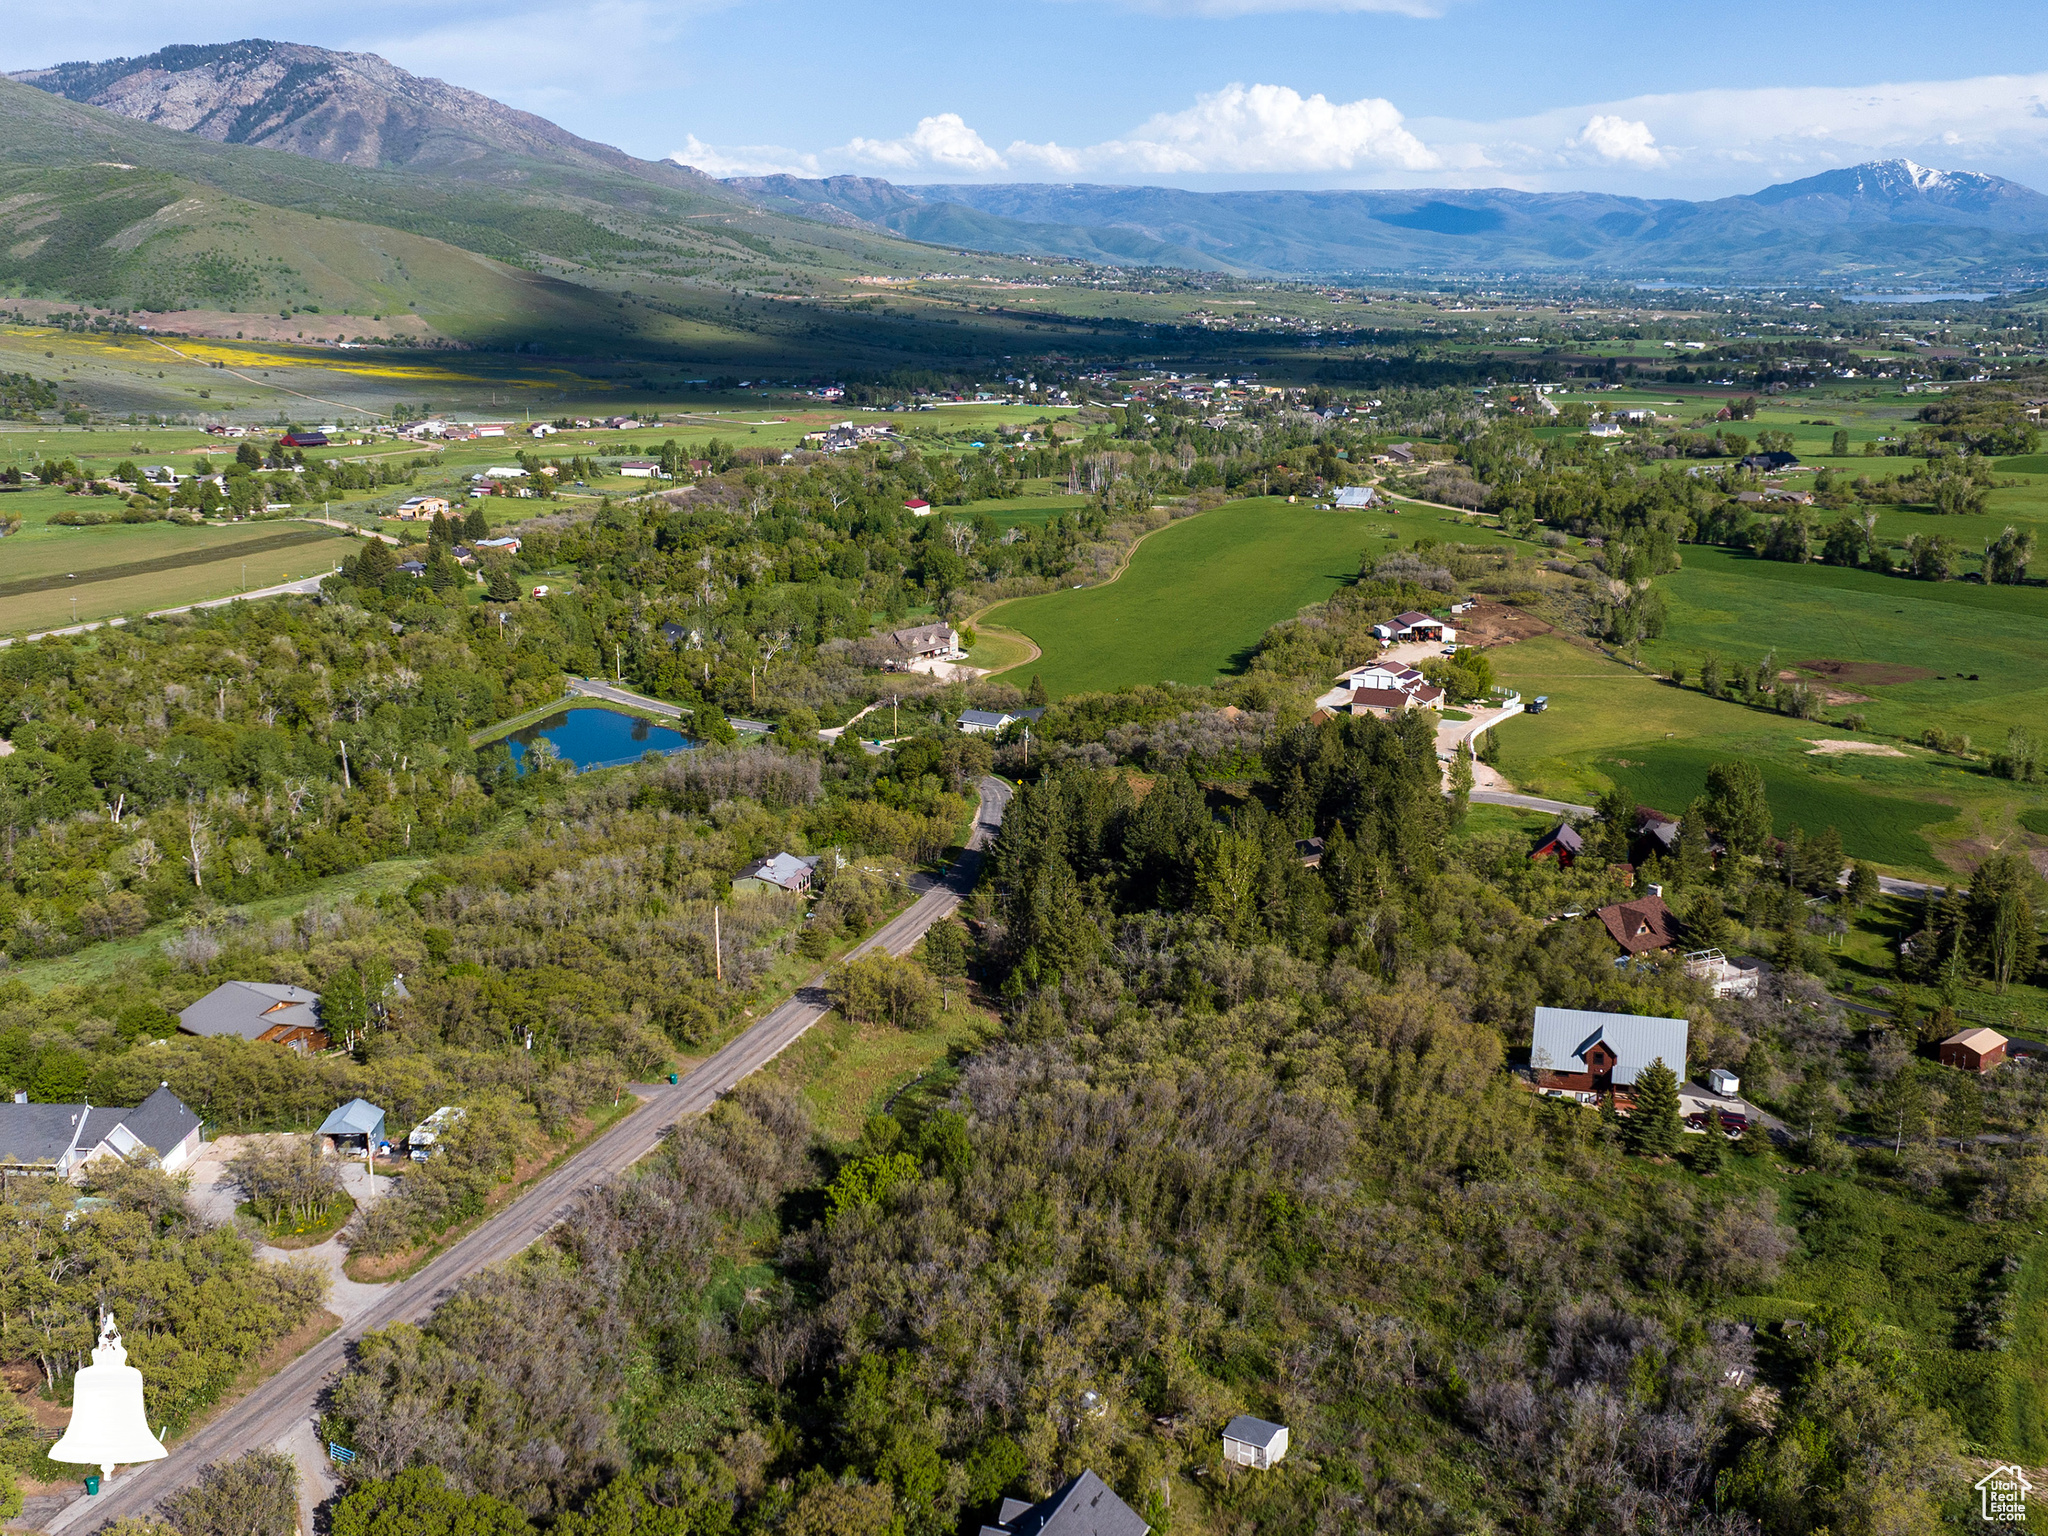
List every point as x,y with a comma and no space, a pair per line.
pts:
1839,226
273,181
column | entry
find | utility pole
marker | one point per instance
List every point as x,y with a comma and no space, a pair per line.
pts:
618,663
717,947
345,784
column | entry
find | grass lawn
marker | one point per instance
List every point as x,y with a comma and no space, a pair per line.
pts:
1196,597
135,567
997,650
848,1072
1026,511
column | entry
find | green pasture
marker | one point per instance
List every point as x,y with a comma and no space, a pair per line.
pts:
1809,793
1608,724
1738,606
1196,597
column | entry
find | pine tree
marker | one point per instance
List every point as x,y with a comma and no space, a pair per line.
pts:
1708,1153
476,525
1695,848
503,588
1037,696
1461,783
1738,807
375,563
1653,1124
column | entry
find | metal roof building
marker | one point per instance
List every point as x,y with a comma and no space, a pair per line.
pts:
358,1117
1564,1036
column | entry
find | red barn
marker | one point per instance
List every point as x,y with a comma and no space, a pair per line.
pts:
1973,1050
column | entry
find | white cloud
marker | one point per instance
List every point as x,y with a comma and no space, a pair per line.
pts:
1239,130
1267,129
1699,143
746,159
1616,138
1703,142
944,143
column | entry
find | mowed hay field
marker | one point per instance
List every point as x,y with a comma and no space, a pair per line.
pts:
1195,598
1608,724
136,567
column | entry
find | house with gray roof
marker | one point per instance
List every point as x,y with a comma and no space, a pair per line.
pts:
257,1010
1578,1049
1085,1507
60,1139
927,640
988,722
777,872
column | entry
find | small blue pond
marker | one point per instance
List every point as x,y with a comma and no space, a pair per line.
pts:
591,736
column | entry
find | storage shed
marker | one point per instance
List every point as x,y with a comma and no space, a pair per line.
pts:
356,1123
1250,1442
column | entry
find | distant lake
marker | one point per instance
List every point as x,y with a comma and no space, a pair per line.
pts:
1917,298
591,736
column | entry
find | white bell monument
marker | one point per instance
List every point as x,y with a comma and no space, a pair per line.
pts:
109,1426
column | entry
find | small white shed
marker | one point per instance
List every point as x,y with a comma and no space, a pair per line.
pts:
1250,1442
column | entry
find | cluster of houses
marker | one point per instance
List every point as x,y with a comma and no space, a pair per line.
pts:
844,436
1381,688
454,431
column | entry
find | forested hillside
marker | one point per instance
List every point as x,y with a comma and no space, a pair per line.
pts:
1245,1136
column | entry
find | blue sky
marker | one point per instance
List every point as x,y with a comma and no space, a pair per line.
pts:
1654,101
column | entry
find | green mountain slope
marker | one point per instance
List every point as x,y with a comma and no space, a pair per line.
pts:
104,209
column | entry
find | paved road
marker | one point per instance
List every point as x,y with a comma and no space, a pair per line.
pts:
597,688
1529,802
279,1410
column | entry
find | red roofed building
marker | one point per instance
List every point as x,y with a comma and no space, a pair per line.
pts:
1642,926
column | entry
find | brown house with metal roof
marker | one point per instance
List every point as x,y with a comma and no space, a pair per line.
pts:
256,1010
